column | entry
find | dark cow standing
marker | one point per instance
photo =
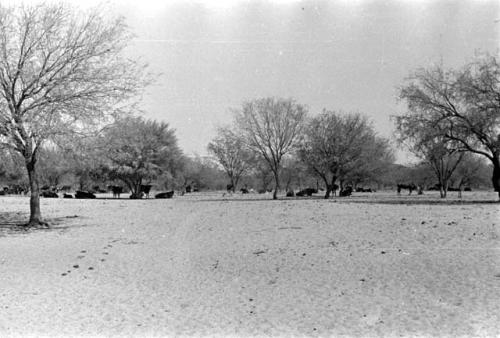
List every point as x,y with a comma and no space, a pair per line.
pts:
347,191
116,189
335,187
307,192
84,194
49,194
146,188
364,190
410,187
168,194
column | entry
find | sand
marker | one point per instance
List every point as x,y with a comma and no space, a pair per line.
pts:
244,266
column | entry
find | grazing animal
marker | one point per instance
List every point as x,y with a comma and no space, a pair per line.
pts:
364,190
84,195
229,188
335,187
49,194
188,189
347,191
136,196
168,194
307,192
290,193
116,189
244,190
146,188
67,195
13,189
410,188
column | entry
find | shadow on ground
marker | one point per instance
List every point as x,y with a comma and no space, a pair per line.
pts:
14,223
359,199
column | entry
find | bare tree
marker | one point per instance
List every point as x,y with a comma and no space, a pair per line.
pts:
60,73
271,127
375,159
336,144
462,105
230,151
471,171
427,143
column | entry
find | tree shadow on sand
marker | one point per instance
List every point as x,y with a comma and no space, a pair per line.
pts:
15,223
358,199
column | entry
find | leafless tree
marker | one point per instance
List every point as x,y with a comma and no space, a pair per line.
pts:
462,105
336,144
231,153
427,143
61,72
271,127
472,170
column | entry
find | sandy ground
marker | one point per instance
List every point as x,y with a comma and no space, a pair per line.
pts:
244,265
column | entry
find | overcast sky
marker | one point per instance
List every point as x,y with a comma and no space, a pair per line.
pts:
338,55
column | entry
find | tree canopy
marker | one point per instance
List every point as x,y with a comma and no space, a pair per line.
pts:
462,106
231,153
136,151
61,72
337,144
271,127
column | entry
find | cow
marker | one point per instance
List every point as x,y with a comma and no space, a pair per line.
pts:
49,194
335,187
307,192
290,193
136,196
145,188
84,195
116,189
410,187
364,190
347,191
67,195
244,191
229,188
168,194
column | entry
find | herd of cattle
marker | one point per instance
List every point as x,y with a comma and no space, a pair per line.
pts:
53,192
116,190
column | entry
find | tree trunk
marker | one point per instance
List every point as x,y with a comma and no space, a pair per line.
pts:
276,178
329,187
35,213
496,174
234,182
328,191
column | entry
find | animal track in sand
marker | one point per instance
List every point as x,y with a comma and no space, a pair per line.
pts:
106,249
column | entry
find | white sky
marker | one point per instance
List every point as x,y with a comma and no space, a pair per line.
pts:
348,55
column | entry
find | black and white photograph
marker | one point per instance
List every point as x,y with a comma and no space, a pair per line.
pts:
249,168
